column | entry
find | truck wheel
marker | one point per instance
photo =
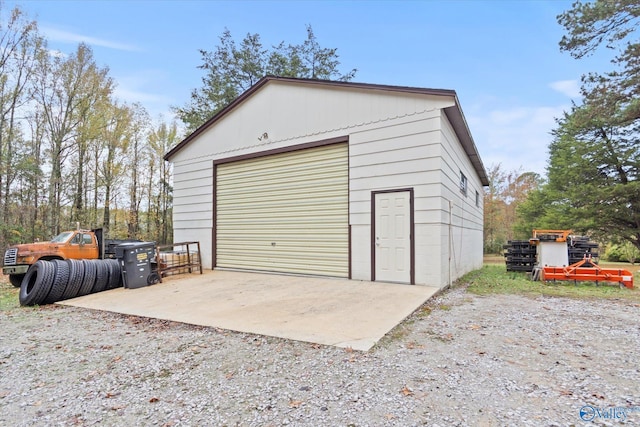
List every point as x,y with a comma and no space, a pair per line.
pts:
60,280
102,276
37,283
76,273
16,279
89,278
115,275
153,278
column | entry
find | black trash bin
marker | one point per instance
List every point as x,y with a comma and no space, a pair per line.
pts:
135,263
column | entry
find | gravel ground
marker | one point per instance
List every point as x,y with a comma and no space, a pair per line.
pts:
459,360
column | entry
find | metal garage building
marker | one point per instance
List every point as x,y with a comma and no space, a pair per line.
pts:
352,180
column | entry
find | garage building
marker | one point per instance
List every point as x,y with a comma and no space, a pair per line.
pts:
341,179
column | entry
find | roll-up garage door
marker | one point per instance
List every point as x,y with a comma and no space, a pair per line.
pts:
285,212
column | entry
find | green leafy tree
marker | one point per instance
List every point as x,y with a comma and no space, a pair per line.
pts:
231,69
624,252
506,192
594,166
630,252
594,158
69,151
612,23
67,90
116,138
139,120
494,232
20,44
593,185
160,189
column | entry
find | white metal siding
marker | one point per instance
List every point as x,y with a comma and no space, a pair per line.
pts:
462,242
293,114
402,153
286,212
193,206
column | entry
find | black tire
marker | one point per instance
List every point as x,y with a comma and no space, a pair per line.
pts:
76,273
16,279
115,274
102,276
89,278
60,280
153,278
37,283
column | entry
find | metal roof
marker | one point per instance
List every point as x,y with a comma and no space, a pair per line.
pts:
454,114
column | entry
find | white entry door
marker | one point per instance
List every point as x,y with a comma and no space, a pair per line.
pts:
393,237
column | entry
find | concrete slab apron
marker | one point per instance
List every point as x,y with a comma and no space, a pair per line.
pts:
343,313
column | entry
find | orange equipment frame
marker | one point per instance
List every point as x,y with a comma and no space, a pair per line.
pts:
558,235
595,273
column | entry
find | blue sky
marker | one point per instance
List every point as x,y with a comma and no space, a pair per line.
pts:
501,57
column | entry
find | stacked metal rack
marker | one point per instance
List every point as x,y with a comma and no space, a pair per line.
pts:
579,248
523,255
520,255
556,255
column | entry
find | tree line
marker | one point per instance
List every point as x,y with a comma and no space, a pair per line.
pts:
70,152
594,158
593,173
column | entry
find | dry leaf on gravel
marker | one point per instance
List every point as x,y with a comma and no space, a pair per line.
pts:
406,391
295,403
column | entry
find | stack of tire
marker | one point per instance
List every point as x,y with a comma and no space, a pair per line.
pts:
48,282
579,247
520,255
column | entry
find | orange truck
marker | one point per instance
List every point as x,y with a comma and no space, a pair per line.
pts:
77,244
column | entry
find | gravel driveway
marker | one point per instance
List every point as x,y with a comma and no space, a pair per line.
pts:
460,360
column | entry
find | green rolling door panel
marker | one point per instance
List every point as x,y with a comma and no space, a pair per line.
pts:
285,212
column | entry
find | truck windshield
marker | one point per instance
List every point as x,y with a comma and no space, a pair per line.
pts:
62,237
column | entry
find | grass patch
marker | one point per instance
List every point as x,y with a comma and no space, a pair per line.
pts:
494,279
494,259
633,268
9,296
424,311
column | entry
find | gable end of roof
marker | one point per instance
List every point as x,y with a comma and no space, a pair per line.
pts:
454,113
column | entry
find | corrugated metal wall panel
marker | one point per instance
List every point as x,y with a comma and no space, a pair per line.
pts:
285,212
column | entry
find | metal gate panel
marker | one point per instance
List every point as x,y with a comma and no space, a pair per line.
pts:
285,212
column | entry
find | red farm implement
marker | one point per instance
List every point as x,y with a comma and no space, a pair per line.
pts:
585,270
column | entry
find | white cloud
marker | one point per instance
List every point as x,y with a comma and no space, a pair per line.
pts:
515,138
54,34
56,53
131,95
570,88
